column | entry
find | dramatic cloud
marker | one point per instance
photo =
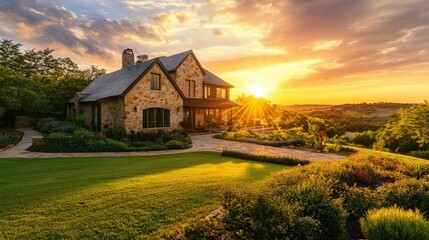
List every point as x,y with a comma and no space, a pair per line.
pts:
307,50
46,24
352,37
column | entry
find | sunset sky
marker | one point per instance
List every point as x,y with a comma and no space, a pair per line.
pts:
298,51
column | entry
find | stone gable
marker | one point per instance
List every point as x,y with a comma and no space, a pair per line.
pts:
141,97
189,70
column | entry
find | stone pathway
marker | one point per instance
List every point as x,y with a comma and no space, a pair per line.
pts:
204,142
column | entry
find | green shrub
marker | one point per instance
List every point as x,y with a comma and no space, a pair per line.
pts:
50,125
408,194
174,144
274,139
108,145
417,170
394,224
315,196
348,149
255,215
83,134
10,137
266,158
333,148
420,154
140,144
357,201
366,138
207,228
116,133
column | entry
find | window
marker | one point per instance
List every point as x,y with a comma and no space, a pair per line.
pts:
155,81
156,118
214,92
190,88
206,92
220,93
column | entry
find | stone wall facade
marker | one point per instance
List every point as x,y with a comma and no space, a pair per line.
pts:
141,97
86,110
189,70
112,113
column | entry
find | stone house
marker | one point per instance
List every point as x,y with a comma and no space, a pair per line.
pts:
162,93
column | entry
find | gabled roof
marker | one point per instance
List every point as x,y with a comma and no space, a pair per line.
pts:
212,79
120,82
208,103
173,62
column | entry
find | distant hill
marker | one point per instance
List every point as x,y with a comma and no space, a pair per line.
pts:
353,117
305,107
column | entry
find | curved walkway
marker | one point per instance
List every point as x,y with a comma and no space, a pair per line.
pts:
201,143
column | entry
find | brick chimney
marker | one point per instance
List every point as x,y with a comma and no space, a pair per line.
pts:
127,58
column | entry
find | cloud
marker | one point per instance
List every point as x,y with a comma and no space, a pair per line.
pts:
151,4
217,32
49,24
351,37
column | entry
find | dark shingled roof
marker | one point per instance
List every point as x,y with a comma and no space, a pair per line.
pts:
172,62
212,79
208,103
117,83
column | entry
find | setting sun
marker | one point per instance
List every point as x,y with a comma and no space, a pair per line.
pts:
257,90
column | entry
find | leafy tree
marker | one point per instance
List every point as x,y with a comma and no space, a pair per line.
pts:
317,130
10,55
35,83
366,138
410,133
92,73
142,58
19,94
416,120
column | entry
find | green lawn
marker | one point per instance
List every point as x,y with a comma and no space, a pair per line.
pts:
114,197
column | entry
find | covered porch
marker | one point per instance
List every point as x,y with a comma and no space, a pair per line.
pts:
207,114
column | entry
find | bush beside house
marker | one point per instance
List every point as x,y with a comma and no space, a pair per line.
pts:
70,136
9,138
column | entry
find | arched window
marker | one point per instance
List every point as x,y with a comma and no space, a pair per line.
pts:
156,118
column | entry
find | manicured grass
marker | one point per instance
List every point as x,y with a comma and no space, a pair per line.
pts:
115,197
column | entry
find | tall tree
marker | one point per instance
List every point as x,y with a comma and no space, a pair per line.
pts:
34,82
10,55
142,58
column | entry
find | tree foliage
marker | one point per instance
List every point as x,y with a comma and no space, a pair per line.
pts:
142,58
410,133
36,83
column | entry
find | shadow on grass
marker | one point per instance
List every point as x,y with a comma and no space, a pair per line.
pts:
24,181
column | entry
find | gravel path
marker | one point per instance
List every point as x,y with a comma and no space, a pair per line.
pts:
204,142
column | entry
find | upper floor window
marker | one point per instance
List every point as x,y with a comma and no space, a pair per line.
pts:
214,92
156,118
220,93
189,88
155,81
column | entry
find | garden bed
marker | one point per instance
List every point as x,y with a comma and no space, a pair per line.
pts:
289,161
9,138
353,199
274,138
65,136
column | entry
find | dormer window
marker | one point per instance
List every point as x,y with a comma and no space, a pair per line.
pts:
155,81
